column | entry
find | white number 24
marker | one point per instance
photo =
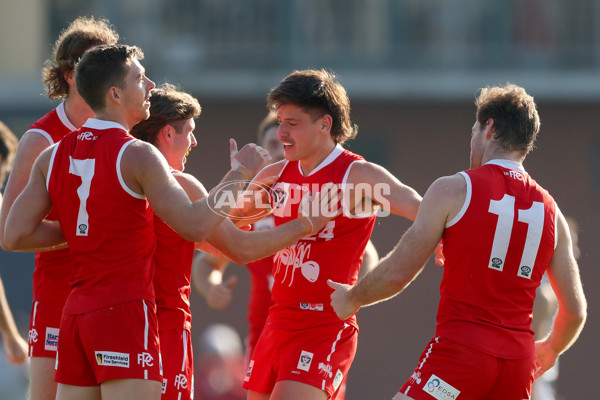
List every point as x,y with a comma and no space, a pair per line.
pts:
533,217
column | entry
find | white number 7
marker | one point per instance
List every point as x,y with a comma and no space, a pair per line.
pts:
84,169
533,217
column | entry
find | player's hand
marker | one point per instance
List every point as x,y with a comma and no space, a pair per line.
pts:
340,300
439,254
545,357
318,209
219,296
249,160
15,348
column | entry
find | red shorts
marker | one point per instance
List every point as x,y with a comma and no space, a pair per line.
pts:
448,368
319,357
44,325
178,364
116,342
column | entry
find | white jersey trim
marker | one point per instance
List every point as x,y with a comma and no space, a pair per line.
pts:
184,340
95,123
337,150
41,132
121,181
465,205
62,115
50,164
556,212
508,164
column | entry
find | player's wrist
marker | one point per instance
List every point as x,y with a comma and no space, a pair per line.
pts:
307,223
241,168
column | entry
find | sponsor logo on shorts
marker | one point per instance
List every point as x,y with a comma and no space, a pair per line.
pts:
112,359
33,335
305,360
249,371
337,381
51,342
180,381
439,389
145,360
163,390
325,370
311,306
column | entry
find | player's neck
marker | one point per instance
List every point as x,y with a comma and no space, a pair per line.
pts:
311,162
77,111
499,154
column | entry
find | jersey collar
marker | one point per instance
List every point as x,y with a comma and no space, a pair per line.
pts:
508,164
95,123
337,150
62,115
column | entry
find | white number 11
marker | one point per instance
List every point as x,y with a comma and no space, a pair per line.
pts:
533,217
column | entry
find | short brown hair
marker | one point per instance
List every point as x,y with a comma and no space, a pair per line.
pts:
101,68
168,106
514,113
318,92
81,35
8,148
269,121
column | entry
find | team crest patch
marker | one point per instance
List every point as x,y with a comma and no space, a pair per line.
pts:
439,389
305,360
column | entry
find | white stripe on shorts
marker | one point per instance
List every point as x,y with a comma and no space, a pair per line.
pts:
184,350
146,325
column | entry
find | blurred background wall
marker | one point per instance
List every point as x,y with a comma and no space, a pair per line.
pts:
411,68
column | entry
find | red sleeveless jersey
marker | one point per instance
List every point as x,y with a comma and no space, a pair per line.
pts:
172,274
52,268
300,271
108,226
497,249
261,282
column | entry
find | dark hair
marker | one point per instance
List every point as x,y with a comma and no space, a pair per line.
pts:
269,121
318,93
168,106
515,116
81,35
101,68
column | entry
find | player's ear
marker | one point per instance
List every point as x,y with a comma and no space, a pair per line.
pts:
114,94
326,123
490,129
166,133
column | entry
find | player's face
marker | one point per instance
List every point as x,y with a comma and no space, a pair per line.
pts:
183,141
477,144
298,133
272,144
136,95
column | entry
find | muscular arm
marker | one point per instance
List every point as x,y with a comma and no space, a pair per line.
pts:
563,274
25,228
145,171
406,260
30,147
383,189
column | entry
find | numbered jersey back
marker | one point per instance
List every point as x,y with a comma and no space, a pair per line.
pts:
497,249
108,227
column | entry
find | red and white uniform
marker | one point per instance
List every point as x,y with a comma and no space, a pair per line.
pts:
261,283
52,268
173,267
497,249
111,240
322,353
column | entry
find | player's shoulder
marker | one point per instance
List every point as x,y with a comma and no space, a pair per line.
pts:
192,186
274,169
